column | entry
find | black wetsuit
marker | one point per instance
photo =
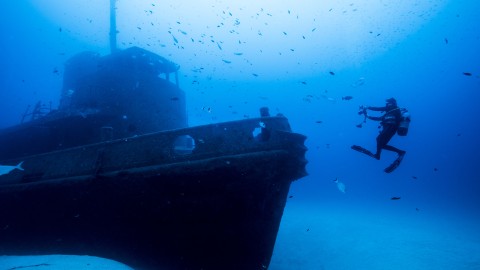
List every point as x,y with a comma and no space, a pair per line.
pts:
389,121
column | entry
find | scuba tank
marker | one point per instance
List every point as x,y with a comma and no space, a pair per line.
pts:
404,122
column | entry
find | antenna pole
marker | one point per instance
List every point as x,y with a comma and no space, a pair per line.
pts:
113,27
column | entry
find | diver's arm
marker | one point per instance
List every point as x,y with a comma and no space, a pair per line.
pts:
374,118
377,109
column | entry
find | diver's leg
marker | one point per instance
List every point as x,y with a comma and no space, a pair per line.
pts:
381,142
379,150
383,138
394,149
397,161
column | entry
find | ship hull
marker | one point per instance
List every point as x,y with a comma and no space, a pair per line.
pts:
143,202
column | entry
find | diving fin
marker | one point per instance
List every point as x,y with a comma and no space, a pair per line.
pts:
395,163
363,150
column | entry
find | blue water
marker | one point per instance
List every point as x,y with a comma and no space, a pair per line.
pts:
300,60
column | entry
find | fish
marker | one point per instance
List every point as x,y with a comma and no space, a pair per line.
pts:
359,82
328,98
331,73
467,73
6,169
340,185
395,198
347,97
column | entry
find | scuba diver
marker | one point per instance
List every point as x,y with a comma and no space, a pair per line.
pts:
394,120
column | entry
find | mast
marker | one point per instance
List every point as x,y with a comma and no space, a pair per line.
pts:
113,27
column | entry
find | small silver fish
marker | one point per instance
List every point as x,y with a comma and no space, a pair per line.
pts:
340,185
6,169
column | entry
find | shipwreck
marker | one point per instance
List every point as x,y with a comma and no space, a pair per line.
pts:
116,172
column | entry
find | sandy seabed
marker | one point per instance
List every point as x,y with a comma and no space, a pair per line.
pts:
59,262
313,237
319,237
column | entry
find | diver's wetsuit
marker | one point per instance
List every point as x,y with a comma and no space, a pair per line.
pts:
389,121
